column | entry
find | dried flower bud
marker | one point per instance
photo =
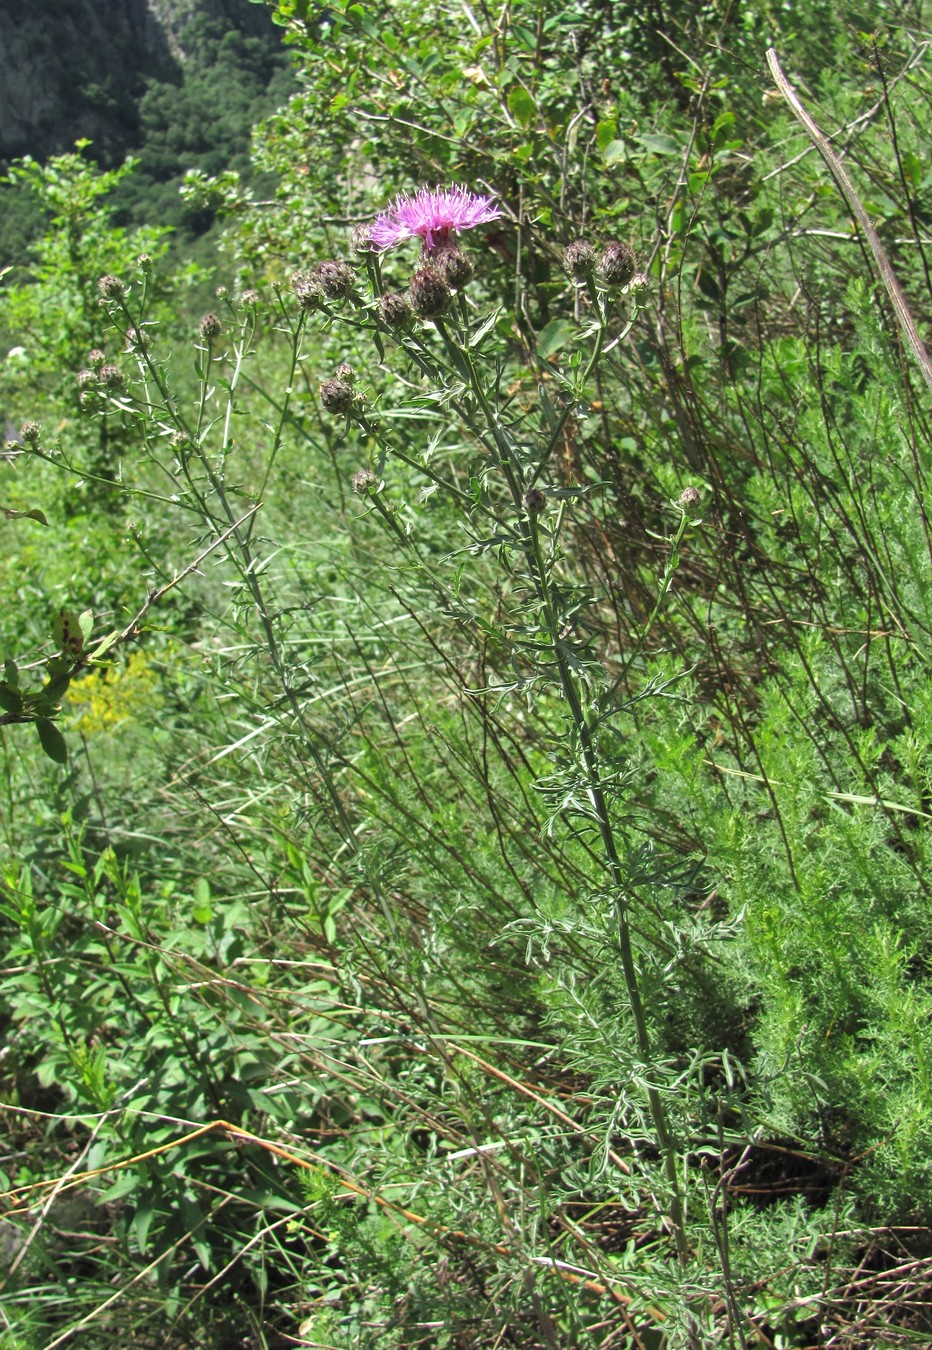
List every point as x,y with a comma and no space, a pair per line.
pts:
430,294
689,498
579,260
209,327
144,263
361,238
96,357
111,377
454,266
616,265
336,396
346,372
250,297
111,288
364,482
334,280
30,433
534,501
394,310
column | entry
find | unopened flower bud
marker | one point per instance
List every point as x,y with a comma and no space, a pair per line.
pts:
250,297
86,378
137,339
579,260
336,396
616,264
144,262
639,282
209,327
364,482
430,294
30,432
334,280
689,498
534,501
454,266
111,377
394,309
221,292
111,288
361,238
96,357
346,372
307,293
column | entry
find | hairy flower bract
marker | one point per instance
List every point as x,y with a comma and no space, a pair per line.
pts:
432,214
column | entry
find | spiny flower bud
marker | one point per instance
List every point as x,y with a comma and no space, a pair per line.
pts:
137,339
394,310
534,501
30,433
689,498
86,378
221,292
333,279
639,282
430,294
361,238
616,265
454,266
111,288
250,297
111,377
346,372
144,262
364,482
308,295
336,396
579,260
209,327
96,357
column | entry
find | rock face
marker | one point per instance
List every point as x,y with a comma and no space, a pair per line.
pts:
78,68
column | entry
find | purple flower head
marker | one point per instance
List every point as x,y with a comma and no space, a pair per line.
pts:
432,215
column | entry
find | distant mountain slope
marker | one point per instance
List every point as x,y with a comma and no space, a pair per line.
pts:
80,69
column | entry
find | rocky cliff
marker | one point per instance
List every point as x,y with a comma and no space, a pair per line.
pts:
78,68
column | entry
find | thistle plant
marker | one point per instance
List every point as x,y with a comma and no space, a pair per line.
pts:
517,506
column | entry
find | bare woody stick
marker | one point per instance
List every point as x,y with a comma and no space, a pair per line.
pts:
846,187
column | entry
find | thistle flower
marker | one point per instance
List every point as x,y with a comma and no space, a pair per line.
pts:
336,396
332,279
364,482
429,294
30,433
432,215
394,309
616,265
534,501
453,265
579,260
209,327
111,377
110,287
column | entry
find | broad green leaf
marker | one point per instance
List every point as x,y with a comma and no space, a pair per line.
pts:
521,106
613,152
554,337
660,145
51,740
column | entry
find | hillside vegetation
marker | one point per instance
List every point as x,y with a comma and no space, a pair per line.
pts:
466,731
